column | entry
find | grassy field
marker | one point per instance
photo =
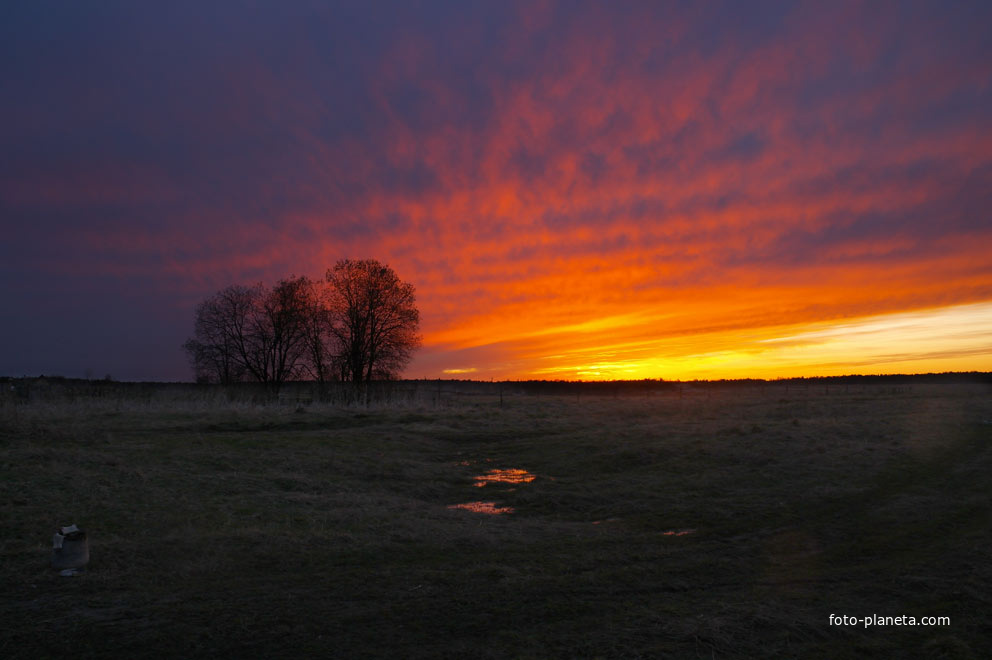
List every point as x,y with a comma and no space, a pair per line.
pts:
714,525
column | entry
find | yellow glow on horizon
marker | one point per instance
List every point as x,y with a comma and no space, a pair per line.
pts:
957,338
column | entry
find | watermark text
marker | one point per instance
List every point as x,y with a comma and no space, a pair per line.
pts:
879,620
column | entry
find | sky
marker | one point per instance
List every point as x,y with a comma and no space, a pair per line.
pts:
577,190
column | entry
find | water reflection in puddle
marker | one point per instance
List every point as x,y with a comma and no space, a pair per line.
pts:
483,507
495,476
511,476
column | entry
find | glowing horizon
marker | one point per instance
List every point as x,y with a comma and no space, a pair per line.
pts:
938,340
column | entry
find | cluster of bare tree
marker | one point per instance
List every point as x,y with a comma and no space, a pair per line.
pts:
360,323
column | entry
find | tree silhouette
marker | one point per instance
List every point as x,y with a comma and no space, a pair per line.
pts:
359,324
375,319
278,327
319,340
218,349
251,332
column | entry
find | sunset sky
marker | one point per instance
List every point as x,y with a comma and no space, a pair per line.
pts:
576,189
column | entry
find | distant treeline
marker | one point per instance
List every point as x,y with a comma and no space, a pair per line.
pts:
57,387
648,384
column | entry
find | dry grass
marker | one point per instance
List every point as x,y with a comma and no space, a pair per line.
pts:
236,529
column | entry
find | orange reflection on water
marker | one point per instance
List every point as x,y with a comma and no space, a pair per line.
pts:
483,507
512,476
678,532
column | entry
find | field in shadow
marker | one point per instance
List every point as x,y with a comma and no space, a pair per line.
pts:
706,525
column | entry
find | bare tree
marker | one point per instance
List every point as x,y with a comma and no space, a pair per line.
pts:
319,340
208,364
255,332
375,319
360,324
280,327
218,348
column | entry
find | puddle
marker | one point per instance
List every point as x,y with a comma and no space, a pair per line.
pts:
678,532
495,476
511,476
483,507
